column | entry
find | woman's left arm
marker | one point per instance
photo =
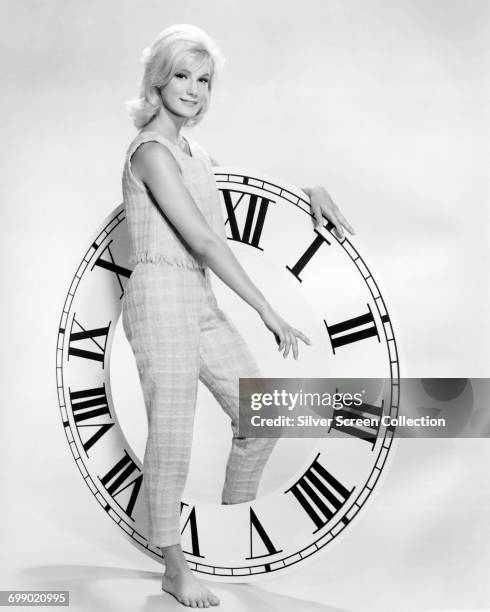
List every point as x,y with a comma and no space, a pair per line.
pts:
322,204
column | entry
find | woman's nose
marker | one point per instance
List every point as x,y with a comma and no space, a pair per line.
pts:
192,87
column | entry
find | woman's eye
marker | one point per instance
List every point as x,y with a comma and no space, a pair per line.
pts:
179,75
204,80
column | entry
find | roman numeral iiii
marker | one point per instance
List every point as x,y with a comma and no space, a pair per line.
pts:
320,494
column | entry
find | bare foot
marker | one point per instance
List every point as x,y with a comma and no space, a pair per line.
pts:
187,589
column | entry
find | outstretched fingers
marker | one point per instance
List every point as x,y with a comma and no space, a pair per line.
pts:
302,336
289,340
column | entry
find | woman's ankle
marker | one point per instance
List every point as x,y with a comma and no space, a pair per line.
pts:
175,562
176,569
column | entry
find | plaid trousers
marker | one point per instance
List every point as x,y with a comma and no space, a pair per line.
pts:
179,335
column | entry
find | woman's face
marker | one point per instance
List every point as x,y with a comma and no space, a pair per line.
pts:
188,89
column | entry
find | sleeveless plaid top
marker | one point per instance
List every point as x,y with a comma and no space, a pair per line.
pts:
152,237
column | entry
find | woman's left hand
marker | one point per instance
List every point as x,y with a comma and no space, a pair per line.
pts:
322,204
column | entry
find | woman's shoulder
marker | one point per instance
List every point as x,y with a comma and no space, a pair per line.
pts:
198,150
143,149
150,136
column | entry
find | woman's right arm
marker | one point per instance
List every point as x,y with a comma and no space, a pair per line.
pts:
156,167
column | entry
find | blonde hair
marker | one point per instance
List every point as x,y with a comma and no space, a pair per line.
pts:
162,59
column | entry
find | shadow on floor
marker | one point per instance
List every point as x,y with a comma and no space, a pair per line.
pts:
115,589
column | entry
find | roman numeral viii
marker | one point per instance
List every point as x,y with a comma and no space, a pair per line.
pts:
320,494
257,207
89,404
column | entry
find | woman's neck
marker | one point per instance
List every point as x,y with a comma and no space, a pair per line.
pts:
167,126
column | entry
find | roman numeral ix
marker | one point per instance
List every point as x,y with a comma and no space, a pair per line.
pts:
91,334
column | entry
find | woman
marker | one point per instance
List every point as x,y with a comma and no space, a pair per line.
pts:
170,315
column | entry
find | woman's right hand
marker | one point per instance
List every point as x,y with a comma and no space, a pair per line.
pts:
284,334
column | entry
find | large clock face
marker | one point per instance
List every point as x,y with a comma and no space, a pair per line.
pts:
312,488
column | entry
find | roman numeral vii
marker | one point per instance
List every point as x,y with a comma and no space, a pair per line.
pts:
118,479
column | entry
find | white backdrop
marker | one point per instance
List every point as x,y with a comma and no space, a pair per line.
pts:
385,102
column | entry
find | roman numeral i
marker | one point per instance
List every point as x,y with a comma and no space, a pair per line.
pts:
307,256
